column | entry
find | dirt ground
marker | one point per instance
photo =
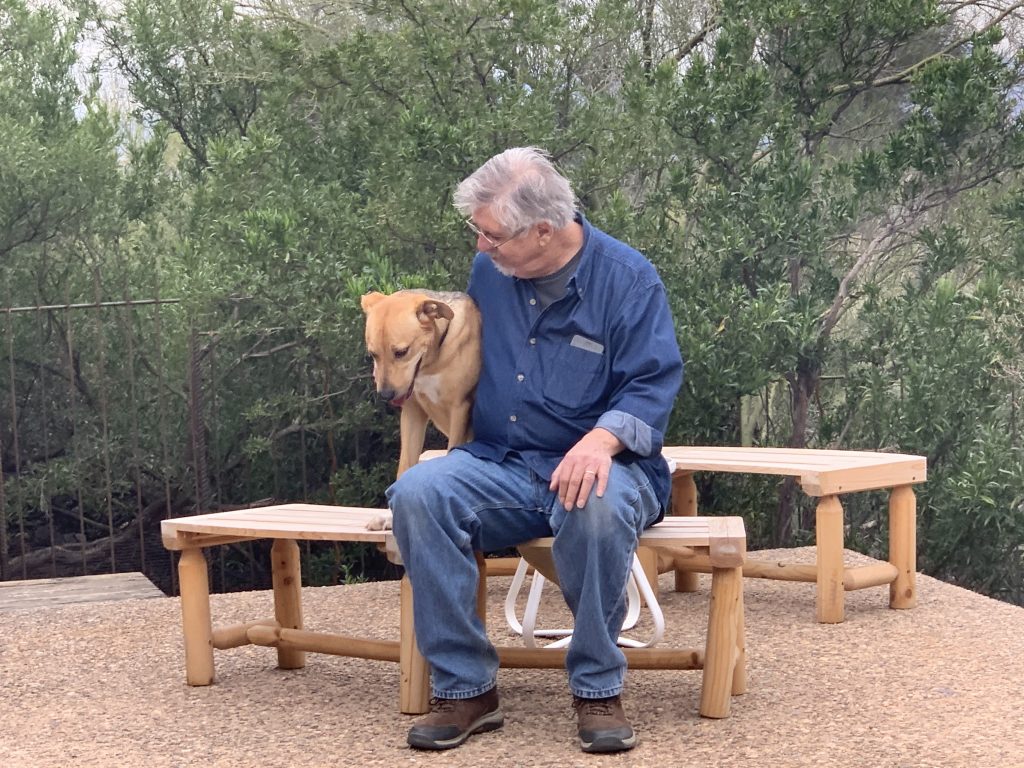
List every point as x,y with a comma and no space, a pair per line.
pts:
941,685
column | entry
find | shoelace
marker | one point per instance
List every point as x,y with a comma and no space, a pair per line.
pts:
595,707
441,705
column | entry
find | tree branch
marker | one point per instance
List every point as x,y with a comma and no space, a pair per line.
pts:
905,75
699,36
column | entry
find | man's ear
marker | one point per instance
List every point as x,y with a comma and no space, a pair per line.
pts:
370,299
430,310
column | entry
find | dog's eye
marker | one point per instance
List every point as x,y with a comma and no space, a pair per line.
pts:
400,353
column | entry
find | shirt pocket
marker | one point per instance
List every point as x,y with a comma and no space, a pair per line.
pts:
573,380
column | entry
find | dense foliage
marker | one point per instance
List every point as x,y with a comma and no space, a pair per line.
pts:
830,189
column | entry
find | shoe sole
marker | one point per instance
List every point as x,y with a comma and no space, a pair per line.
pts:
491,721
613,744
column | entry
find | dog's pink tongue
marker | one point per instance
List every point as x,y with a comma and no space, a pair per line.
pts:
399,401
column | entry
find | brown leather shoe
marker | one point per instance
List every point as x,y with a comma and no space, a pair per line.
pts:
602,725
452,721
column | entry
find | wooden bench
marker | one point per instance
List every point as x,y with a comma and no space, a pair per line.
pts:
719,542
826,475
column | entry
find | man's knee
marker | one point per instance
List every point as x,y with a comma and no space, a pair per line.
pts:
408,489
415,497
607,515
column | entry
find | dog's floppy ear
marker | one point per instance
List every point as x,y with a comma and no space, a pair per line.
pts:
431,310
368,300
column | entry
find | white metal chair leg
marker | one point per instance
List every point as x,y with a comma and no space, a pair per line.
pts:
639,579
513,594
632,602
636,586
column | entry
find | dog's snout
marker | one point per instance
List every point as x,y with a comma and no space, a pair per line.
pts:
387,393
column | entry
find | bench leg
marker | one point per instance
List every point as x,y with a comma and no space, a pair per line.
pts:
195,617
903,546
684,502
414,684
829,532
739,672
648,558
286,572
721,653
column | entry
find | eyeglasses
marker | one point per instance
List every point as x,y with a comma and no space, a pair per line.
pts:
494,244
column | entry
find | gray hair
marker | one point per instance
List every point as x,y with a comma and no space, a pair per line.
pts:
522,188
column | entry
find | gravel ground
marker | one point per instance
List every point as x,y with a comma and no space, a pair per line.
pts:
941,685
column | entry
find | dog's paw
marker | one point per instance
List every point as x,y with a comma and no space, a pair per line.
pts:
381,522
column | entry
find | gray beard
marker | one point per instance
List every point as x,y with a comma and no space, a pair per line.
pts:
503,270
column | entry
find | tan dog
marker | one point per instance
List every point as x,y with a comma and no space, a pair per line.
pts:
425,347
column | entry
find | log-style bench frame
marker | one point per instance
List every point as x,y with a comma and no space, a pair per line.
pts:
824,474
719,543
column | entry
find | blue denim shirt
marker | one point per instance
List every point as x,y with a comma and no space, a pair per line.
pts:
604,355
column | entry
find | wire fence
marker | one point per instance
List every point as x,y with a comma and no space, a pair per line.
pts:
84,482
119,413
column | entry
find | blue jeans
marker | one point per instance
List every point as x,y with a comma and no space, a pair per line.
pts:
447,508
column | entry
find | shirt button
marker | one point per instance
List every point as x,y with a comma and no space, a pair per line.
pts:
520,377
512,417
533,302
533,342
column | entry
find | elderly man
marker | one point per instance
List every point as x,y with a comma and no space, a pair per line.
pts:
580,371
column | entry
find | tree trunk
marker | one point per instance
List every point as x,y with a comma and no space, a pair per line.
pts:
802,384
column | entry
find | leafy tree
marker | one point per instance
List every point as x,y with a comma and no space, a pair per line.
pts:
937,372
827,188
60,194
818,141
52,162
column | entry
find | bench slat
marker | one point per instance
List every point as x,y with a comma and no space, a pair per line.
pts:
308,522
820,472
312,522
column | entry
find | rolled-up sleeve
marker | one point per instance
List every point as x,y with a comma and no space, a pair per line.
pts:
634,434
648,369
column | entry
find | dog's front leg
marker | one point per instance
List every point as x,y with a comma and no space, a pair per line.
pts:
459,427
413,426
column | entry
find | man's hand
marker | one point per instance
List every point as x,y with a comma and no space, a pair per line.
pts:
585,468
